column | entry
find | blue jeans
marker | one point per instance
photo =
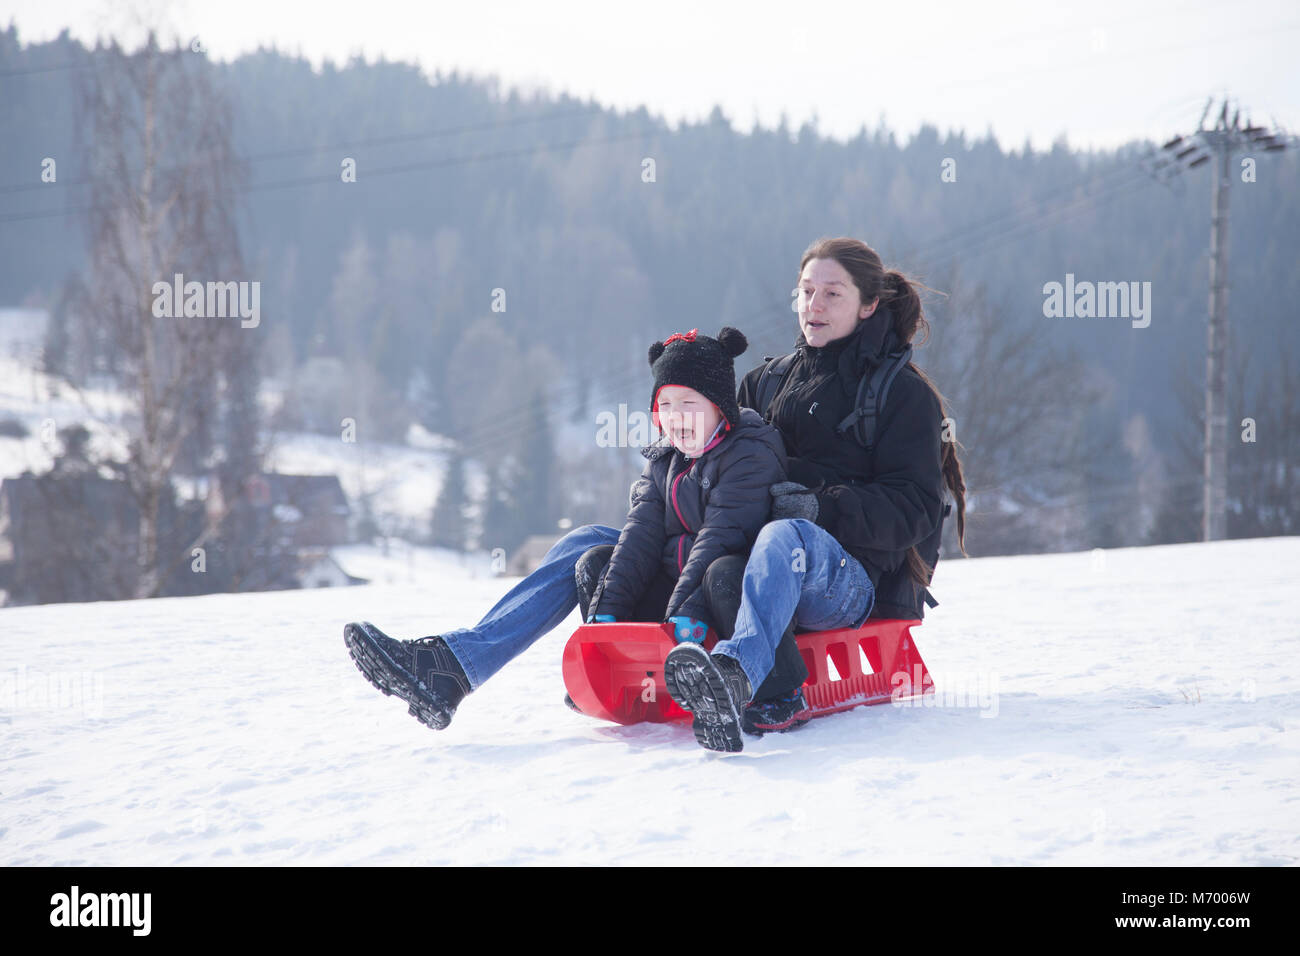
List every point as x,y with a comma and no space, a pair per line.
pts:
795,567
797,571
533,607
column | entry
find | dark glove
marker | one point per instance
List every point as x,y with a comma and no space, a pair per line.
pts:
793,500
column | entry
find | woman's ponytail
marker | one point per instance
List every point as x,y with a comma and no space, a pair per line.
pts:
905,303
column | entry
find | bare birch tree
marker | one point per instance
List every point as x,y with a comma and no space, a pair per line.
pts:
162,176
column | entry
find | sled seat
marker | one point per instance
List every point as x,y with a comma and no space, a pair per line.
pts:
615,671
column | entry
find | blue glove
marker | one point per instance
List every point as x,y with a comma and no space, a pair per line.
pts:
601,619
688,629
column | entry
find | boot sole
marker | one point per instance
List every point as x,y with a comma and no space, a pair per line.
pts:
394,680
696,686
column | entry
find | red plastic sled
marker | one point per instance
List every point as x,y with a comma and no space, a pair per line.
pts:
615,671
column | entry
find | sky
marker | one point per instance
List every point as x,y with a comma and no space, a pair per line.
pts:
1099,73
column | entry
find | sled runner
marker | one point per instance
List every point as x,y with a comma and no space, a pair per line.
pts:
615,671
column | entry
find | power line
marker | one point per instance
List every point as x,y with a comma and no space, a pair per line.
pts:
53,68
992,233
516,425
448,161
334,177
387,140
987,234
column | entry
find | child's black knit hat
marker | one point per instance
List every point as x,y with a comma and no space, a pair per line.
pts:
701,363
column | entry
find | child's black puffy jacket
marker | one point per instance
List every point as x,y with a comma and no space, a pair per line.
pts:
687,512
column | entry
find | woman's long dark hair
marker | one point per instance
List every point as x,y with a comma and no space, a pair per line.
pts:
900,294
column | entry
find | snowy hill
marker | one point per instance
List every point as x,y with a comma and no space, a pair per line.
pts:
1140,706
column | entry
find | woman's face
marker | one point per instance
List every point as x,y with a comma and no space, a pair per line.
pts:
829,304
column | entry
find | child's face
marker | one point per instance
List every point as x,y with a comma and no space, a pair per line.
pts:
687,417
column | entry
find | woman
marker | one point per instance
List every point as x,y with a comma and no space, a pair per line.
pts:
851,524
847,526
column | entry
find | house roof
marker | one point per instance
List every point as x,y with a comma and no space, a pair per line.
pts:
314,494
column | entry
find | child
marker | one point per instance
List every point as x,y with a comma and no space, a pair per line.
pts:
704,493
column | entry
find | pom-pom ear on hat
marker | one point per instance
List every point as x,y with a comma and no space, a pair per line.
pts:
733,341
656,350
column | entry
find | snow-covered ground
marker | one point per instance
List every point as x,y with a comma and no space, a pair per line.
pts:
1138,706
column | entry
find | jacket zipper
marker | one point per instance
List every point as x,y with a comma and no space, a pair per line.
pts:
676,482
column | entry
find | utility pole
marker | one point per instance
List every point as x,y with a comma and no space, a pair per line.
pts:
1227,137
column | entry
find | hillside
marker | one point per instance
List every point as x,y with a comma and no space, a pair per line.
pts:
1140,706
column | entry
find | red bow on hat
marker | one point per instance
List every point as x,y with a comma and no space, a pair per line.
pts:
685,337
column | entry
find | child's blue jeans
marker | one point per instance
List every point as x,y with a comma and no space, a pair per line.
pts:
533,607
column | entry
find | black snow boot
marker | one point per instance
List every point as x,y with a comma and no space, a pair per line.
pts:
714,689
777,714
424,672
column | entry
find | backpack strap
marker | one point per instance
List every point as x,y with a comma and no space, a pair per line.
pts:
872,391
769,382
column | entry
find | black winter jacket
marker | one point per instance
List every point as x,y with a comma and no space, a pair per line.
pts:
878,505
687,512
